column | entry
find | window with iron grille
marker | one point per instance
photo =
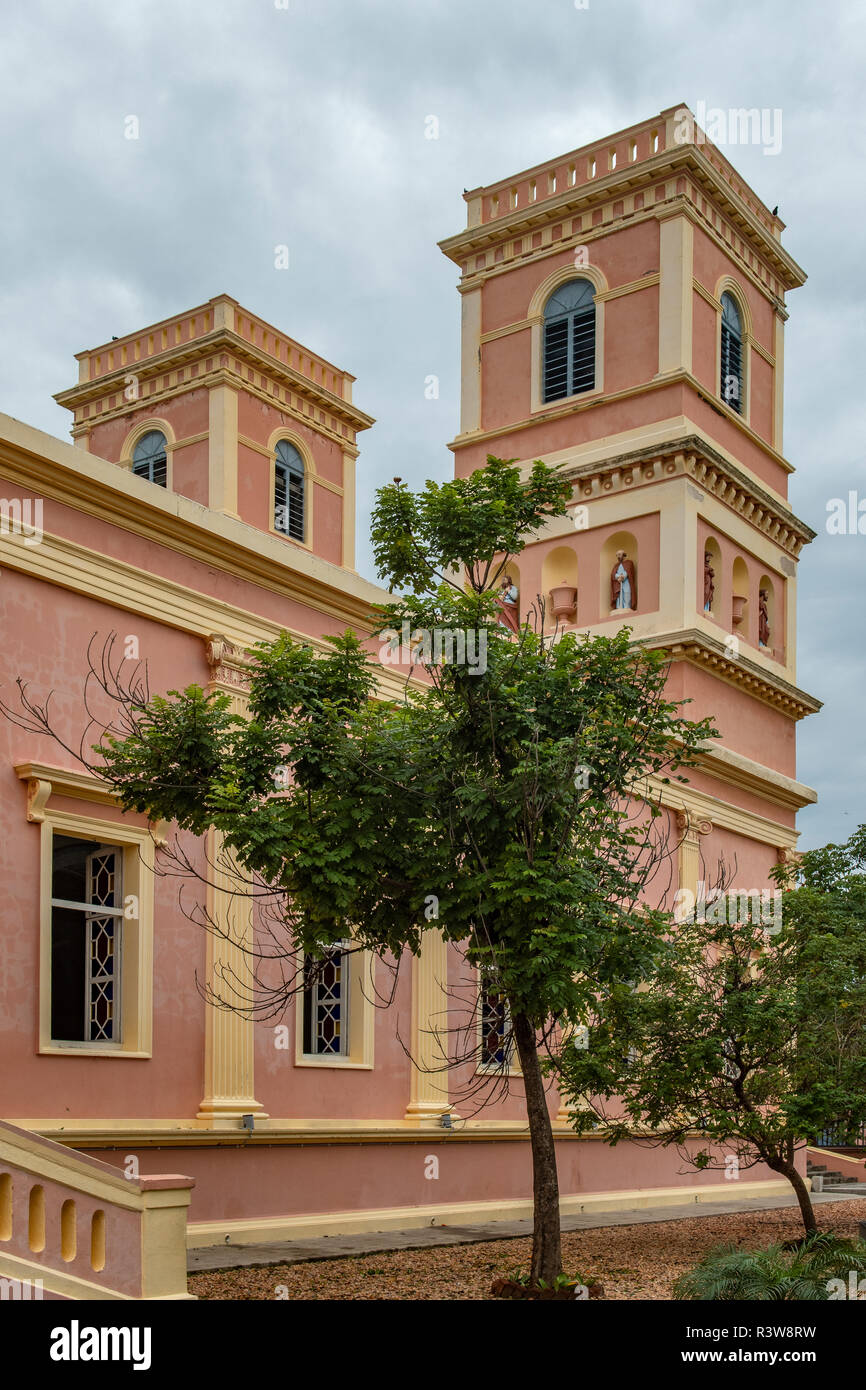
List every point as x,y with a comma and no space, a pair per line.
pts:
289,491
731,383
326,1004
149,458
569,341
497,1042
86,929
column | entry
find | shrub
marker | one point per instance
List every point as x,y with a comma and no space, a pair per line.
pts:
791,1272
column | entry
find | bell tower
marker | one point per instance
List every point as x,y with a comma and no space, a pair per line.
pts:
217,405
623,312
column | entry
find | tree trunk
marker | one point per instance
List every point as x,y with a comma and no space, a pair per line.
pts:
546,1242
785,1166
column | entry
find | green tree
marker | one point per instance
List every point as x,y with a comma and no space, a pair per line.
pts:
751,1033
501,789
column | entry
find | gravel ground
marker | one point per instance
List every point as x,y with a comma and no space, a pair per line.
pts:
633,1262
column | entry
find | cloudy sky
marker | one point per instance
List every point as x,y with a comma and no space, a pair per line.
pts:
302,123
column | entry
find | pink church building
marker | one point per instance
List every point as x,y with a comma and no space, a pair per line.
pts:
623,312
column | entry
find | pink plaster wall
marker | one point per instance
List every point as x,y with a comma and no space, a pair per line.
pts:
318,1091
297,1179
46,633
747,725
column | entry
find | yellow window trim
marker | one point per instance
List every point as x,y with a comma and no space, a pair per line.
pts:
361,1021
138,845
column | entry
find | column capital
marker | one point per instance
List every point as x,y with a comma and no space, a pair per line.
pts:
691,827
230,665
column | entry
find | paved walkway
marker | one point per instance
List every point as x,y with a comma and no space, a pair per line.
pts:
290,1252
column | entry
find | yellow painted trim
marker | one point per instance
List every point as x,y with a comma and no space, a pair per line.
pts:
230,1032
361,1022
589,399
70,566
405,1218
705,809
223,450
161,1211
153,422
728,285
348,516
535,315
136,977
429,1072
643,282
470,360
779,379
310,477
190,439
676,260
522,325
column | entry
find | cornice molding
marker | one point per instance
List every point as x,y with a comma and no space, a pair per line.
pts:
125,587
699,814
44,781
71,476
219,340
576,405
698,649
678,160
724,765
691,456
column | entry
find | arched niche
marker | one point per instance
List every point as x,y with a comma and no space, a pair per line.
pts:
625,541
767,641
740,593
712,550
558,578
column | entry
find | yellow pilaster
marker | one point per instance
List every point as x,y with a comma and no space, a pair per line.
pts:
223,450
779,320
229,1090
349,510
428,1098
691,829
676,258
470,361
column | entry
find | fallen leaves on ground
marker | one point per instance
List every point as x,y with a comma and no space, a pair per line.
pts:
633,1262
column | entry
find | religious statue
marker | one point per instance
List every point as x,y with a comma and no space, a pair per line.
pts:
709,586
623,582
763,618
507,598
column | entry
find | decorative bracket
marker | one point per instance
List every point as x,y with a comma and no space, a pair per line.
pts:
38,792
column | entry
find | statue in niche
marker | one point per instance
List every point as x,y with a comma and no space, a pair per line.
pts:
709,584
623,582
763,618
507,598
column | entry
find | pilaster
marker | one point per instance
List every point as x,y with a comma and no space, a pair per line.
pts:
229,1090
428,1098
223,450
676,258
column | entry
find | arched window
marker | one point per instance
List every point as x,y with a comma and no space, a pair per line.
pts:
731,383
149,458
569,340
289,491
